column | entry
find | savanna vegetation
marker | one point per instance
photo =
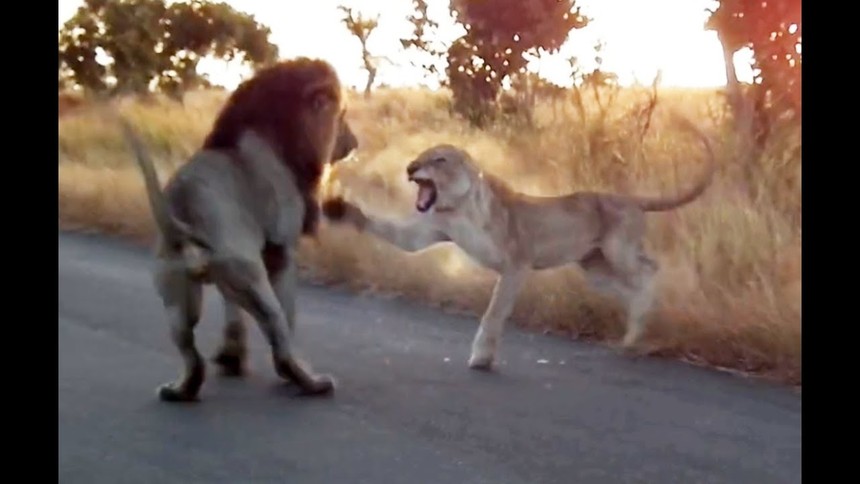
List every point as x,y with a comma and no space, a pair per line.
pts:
730,287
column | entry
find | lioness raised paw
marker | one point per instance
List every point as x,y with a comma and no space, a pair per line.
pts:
339,210
335,208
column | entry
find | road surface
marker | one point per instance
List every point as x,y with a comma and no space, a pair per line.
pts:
406,410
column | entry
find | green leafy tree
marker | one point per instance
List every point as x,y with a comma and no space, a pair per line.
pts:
138,46
498,34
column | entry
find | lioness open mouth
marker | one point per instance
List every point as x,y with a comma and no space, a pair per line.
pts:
426,194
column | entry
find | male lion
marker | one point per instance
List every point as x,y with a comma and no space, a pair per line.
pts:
513,233
232,215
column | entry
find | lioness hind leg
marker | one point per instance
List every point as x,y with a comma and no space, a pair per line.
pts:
634,284
634,272
232,354
183,299
639,300
601,276
248,287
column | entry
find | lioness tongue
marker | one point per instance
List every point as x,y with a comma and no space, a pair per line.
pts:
425,196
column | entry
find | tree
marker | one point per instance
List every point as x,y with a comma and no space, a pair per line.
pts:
361,27
139,46
424,41
772,30
498,34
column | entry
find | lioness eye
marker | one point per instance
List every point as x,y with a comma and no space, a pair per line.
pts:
439,160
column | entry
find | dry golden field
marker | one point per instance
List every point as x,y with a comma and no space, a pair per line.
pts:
730,287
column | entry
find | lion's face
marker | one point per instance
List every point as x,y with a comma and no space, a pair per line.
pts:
444,175
322,123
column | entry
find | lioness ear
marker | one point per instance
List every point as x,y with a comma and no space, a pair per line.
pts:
321,96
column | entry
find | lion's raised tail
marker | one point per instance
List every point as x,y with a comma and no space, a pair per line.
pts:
175,232
658,204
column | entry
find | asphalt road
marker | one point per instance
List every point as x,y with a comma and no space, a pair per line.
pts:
406,410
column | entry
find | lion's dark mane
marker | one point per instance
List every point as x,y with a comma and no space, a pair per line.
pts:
270,103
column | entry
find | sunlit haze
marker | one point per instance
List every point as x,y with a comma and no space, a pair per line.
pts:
640,39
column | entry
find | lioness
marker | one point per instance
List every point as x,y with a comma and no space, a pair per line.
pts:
233,214
513,233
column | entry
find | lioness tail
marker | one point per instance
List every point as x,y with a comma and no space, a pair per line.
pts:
658,204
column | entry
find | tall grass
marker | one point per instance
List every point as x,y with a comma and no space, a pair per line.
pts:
730,282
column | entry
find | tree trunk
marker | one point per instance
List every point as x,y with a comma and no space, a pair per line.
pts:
743,113
371,76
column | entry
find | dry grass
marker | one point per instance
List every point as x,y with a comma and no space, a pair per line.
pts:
731,280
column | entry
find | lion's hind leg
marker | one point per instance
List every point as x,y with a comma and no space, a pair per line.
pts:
183,300
282,273
232,354
247,285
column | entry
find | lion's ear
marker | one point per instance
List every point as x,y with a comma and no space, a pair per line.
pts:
322,96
